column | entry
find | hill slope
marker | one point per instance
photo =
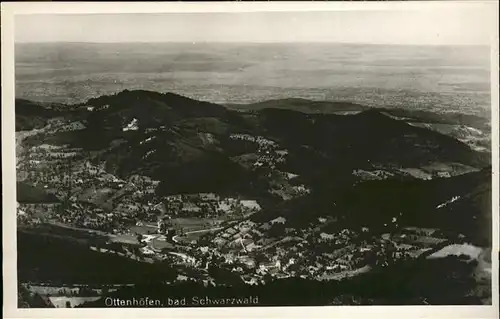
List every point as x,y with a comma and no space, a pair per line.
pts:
174,138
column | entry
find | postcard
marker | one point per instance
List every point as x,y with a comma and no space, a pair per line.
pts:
250,159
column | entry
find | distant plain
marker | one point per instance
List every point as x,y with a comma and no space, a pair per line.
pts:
437,78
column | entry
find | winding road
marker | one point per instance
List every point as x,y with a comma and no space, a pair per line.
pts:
175,239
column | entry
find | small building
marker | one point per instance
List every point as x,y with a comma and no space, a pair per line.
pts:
279,220
326,236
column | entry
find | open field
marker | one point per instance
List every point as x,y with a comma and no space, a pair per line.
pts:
124,238
161,244
144,229
193,224
194,235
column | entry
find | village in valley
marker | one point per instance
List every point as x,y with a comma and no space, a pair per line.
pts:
203,234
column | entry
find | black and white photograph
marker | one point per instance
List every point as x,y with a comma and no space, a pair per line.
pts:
255,159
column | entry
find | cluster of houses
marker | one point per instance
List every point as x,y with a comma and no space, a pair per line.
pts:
205,205
292,254
267,151
33,214
132,126
262,141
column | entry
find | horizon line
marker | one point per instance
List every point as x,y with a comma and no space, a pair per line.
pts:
255,42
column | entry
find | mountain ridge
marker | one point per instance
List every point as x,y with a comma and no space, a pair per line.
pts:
154,110
297,104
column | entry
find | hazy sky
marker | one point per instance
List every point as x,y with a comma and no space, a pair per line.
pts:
451,26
